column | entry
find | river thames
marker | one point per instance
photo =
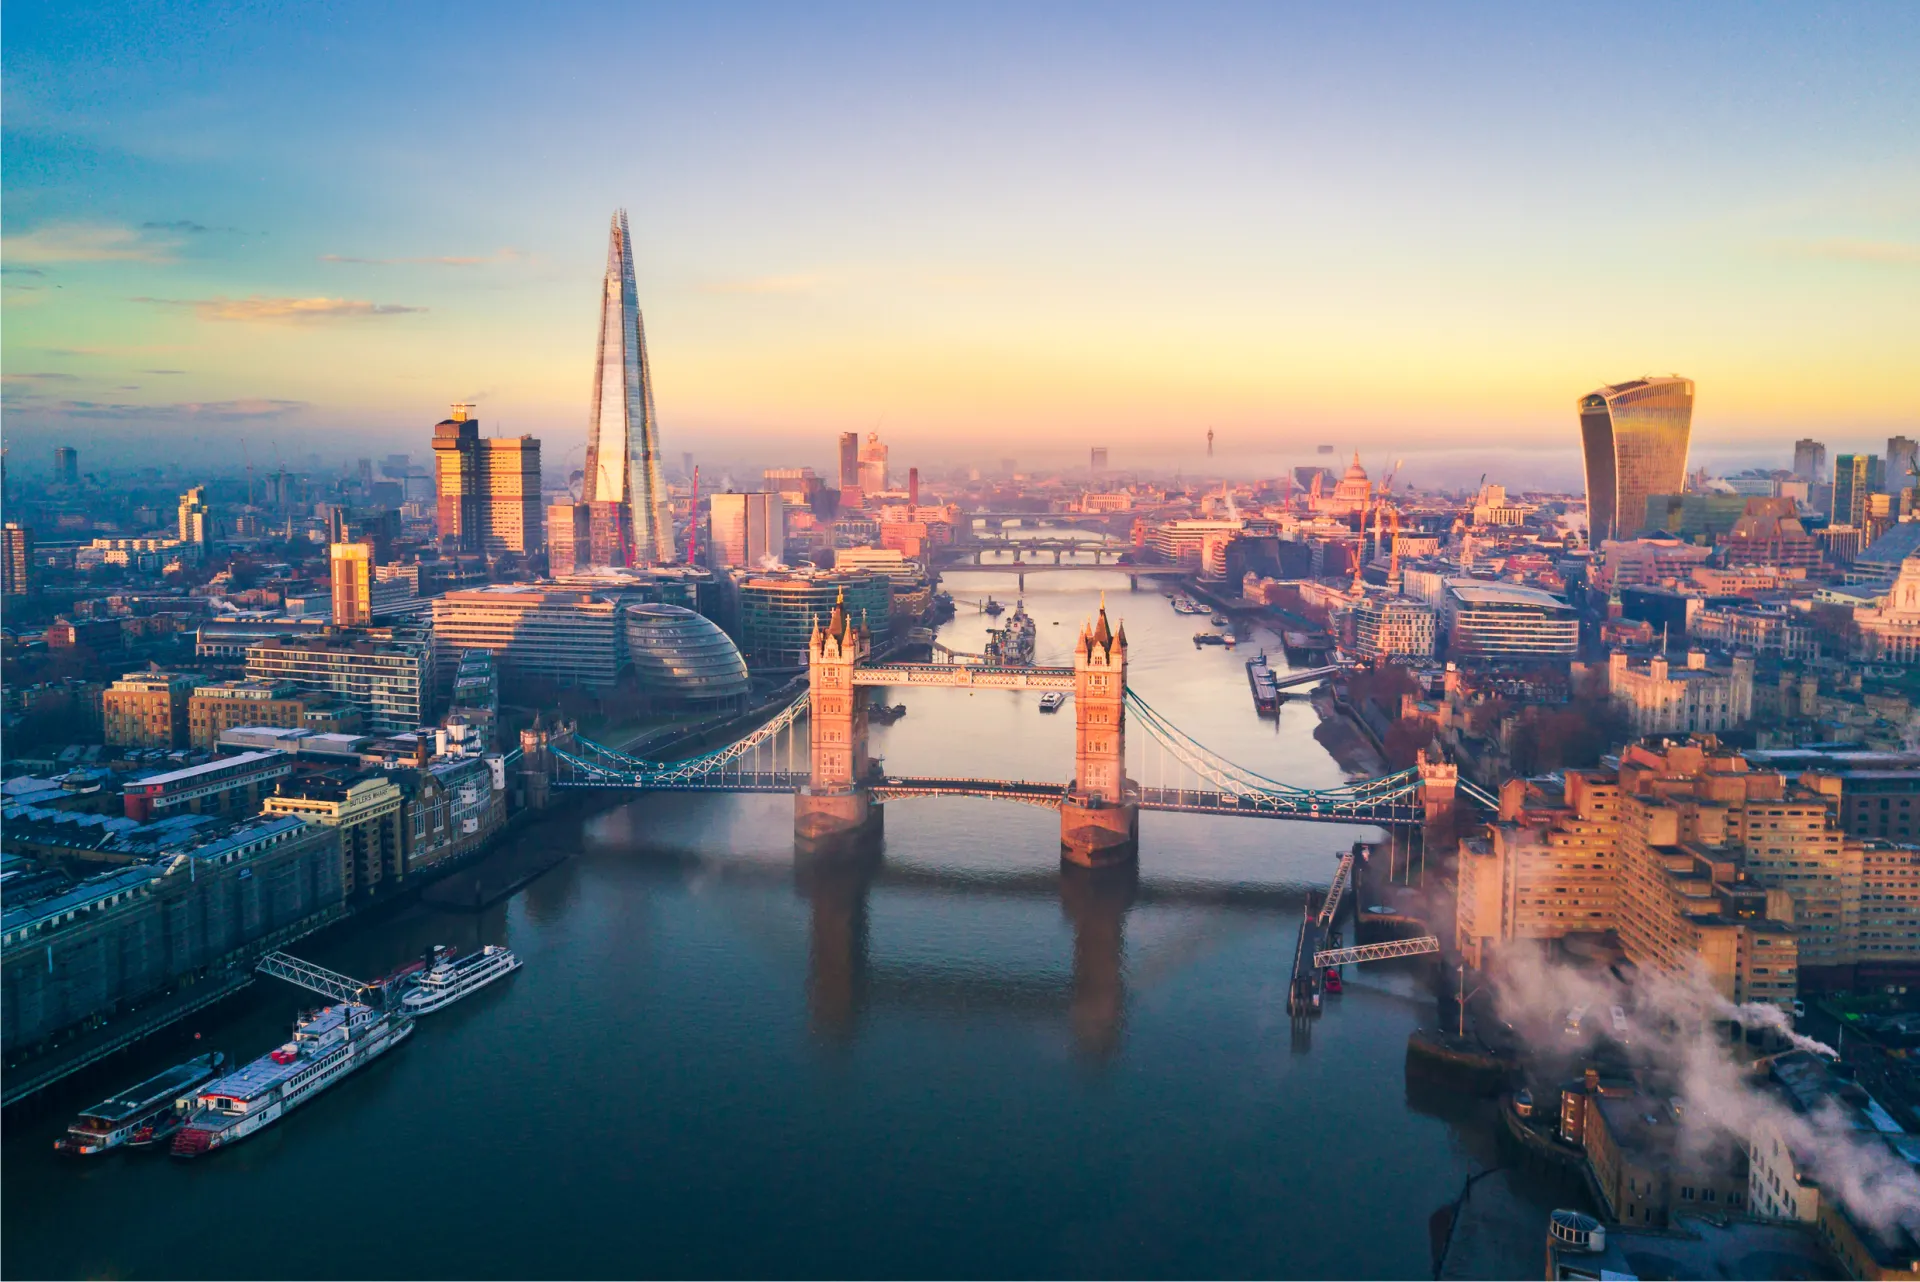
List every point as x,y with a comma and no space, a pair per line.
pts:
956,1061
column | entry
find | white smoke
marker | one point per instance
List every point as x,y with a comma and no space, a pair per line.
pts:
1674,1039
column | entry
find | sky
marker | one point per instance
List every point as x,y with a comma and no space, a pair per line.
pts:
982,230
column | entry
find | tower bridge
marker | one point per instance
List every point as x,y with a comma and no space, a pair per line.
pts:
840,791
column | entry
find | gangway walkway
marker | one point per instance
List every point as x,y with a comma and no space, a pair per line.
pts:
1376,952
318,979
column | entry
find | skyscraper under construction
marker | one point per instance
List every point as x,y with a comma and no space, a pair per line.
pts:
625,485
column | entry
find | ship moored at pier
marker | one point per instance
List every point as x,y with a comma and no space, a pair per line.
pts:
327,1045
132,1116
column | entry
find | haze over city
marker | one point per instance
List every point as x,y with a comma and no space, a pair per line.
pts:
1391,228
1019,641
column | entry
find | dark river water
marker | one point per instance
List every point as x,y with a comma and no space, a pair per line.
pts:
956,1060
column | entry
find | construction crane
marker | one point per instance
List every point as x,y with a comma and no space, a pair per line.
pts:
248,458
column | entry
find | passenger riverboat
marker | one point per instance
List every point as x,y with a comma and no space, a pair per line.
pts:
327,1045
122,1119
450,978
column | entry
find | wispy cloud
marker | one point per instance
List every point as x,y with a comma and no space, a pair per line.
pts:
178,411
1842,249
44,377
85,243
444,260
263,311
163,371
765,285
185,226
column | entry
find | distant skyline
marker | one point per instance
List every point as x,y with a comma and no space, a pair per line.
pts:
1422,233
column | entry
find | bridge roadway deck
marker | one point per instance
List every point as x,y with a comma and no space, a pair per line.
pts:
1306,809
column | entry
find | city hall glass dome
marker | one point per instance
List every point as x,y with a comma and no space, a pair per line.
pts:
683,657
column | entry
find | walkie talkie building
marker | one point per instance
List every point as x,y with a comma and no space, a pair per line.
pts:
624,481
1634,438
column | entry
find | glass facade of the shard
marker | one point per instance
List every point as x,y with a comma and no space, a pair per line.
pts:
1634,438
623,438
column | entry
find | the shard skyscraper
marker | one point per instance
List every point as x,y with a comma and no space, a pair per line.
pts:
632,517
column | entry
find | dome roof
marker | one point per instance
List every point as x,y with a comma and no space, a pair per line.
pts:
1354,471
679,654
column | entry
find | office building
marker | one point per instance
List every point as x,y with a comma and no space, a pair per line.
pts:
66,465
873,466
1659,699
147,710
196,518
569,538
1494,622
216,708
849,461
1769,532
1902,452
537,634
779,610
746,530
1856,477
1810,460
487,488
350,570
1097,460
385,673
16,560
683,660
1388,626
364,811
623,435
1634,442
459,496
510,482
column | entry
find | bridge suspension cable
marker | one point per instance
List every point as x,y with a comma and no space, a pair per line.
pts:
602,764
1251,787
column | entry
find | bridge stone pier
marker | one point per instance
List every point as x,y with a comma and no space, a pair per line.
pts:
1100,814
836,810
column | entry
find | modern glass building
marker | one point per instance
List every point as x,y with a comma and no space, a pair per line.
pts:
623,436
681,658
536,633
778,612
1634,438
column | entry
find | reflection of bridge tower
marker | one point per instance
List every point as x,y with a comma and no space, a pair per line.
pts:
1100,815
836,892
1096,900
836,806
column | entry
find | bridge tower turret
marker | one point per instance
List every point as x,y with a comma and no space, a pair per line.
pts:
1100,816
836,806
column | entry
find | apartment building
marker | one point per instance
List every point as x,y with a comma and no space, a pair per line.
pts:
386,673
365,811
1386,626
217,708
147,710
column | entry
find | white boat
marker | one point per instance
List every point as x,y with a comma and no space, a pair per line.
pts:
451,978
327,1045
1051,701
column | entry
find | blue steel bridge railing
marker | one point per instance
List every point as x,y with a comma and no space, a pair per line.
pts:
596,765
1390,798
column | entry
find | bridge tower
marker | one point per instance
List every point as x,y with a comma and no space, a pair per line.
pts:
1439,783
1100,815
836,807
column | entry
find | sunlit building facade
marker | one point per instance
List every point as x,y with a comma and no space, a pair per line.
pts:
1634,438
623,435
